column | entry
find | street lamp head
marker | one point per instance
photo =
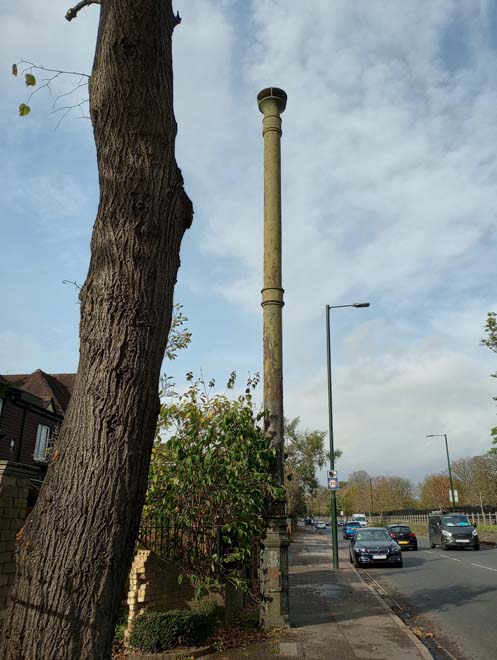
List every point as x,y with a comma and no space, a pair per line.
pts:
360,305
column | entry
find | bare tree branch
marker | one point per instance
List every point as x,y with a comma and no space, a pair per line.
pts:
46,82
73,11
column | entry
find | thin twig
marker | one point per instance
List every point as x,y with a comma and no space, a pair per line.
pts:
58,71
75,284
68,109
60,96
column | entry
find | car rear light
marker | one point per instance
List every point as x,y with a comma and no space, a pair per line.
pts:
412,535
392,535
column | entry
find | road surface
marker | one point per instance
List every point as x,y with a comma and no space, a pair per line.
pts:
456,590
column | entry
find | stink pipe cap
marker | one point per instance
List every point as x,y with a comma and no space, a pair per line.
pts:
274,94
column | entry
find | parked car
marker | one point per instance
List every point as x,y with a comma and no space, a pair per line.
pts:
349,528
361,518
320,524
374,545
404,536
452,530
308,521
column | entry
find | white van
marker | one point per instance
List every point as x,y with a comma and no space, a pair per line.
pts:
360,518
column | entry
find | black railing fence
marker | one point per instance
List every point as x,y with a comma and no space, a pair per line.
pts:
191,548
198,549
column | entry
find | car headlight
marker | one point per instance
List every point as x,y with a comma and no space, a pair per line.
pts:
445,533
475,533
360,550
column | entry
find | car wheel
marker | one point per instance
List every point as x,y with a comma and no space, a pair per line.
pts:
444,546
400,564
432,545
415,547
476,547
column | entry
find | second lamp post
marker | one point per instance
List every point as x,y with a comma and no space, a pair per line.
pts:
452,492
334,530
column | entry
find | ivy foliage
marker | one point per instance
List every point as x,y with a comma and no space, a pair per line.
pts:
210,478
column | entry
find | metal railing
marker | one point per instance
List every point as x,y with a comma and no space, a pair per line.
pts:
199,547
187,547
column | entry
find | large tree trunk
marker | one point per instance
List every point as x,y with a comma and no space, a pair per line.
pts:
76,546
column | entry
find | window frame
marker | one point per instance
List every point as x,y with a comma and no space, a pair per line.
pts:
43,433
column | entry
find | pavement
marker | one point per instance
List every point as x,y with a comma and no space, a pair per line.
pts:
334,614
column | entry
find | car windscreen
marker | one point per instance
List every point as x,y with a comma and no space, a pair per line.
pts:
372,535
455,521
400,529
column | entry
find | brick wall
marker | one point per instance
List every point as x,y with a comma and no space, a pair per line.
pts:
14,488
154,587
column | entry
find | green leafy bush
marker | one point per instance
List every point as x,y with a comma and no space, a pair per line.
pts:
160,631
211,474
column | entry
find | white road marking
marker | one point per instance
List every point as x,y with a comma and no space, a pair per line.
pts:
445,557
428,552
487,567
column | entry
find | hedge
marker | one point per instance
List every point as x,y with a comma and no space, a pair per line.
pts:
160,631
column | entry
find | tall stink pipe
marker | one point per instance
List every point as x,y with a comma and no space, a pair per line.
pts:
274,560
272,102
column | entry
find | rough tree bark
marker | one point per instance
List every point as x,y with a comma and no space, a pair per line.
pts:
76,546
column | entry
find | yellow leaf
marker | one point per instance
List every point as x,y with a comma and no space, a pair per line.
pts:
24,109
14,69
30,80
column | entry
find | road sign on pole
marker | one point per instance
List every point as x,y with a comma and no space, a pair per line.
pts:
333,481
456,496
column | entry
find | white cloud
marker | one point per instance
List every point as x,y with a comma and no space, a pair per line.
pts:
389,182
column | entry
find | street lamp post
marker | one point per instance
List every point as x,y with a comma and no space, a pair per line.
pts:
334,530
444,435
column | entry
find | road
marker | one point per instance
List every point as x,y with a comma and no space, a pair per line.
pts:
456,590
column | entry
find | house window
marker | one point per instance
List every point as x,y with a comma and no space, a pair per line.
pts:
42,439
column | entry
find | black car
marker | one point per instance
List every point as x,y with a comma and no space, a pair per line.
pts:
374,545
404,536
452,530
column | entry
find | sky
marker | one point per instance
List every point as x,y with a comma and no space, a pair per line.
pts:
389,188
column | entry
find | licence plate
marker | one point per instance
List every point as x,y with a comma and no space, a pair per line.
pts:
403,542
379,556
462,540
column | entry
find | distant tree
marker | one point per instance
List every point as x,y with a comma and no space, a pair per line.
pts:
357,496
478,476
305,453
490,341
435,489
322,502
391,493
75,548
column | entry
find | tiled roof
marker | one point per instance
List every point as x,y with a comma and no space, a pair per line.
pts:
49,388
